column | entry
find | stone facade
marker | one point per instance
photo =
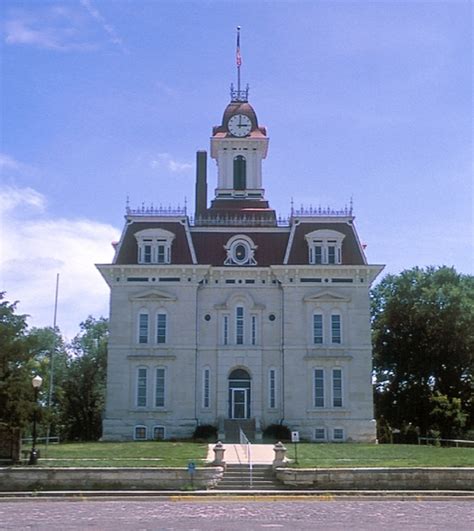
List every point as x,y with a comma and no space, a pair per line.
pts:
235,316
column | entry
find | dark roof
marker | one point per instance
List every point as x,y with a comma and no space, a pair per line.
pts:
271,243
128,253
209,246
351,253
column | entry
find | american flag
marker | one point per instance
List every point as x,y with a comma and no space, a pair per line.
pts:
238,56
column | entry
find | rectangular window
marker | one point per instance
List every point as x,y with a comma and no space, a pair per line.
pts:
320,434
318,388
147,254
206,397
160,388
226,330
272,388
143,328
158,433
331,254
161,328
239,325
337,387
139,433
338,434
317,329
161,254
336,328
141,386
254,329
318,254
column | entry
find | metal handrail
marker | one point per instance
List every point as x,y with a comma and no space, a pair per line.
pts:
247,448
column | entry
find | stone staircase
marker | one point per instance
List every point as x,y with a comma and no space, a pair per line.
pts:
237,477
232,427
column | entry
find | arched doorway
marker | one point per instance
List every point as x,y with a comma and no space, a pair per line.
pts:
239,394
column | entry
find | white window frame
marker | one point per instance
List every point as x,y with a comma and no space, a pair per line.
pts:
160,242
140,427
206,388
323,380
272,388
225,329
143,313
324,240
155,398
324,438
231,247
336,339
321,315
138,385
159,338
334,393
239,325
159,427
338,439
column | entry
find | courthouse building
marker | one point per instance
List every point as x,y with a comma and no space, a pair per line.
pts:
235,317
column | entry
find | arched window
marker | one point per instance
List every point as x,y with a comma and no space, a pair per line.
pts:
240,173
239,394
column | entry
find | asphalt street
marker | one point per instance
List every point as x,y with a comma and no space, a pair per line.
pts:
239,515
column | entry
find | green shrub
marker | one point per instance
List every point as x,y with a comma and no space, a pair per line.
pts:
277,432
205,432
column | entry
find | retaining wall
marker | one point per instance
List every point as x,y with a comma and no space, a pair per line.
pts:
377,478
37,478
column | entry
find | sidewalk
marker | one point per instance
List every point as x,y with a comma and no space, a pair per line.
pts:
261,454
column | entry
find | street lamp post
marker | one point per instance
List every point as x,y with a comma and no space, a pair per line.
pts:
36,383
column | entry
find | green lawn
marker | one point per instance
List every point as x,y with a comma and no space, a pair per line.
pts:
380,455
162,454
168,454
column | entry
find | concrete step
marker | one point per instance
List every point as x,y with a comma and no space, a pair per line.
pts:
237,477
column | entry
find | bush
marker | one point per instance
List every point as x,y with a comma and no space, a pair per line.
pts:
277,432
205,432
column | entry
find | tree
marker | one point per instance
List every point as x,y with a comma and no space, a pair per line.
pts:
423,340
17,366
84,388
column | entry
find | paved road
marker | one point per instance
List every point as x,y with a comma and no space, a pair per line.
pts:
236,515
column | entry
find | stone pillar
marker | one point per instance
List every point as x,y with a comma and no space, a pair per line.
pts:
219,454
280,455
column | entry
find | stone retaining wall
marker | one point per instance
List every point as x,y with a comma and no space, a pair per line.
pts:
36,478
377,478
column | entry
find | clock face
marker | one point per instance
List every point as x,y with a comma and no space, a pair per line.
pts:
239,125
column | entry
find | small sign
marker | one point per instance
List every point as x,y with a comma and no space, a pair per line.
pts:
295,436
191,467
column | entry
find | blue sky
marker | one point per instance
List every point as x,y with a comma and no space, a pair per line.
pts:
106,99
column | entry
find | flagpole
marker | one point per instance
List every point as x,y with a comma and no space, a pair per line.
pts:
53,349
239,60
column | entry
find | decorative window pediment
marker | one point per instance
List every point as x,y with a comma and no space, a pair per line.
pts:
325,246
152,295
326,296
154,246
240,251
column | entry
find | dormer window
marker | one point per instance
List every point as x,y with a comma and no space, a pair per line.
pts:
240,251
154,246
325,247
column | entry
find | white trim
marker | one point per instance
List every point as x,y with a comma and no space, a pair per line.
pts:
324,438
160,427
165,386
290,242
332,387
314,387
140,426
161,311
136,386
342,439
336,313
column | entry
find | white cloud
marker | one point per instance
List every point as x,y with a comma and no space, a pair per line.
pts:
37,246
164,160
108,28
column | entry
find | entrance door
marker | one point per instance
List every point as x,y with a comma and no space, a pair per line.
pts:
239,394
239,403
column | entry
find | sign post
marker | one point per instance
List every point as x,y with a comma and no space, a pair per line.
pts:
191,471
295,439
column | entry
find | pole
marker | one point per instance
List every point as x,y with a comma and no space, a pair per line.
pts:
34,455
53,349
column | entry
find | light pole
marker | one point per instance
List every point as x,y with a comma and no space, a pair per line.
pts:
36,383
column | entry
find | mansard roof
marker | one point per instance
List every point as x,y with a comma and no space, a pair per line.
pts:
272,244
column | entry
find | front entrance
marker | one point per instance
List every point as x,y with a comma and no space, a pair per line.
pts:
239,394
